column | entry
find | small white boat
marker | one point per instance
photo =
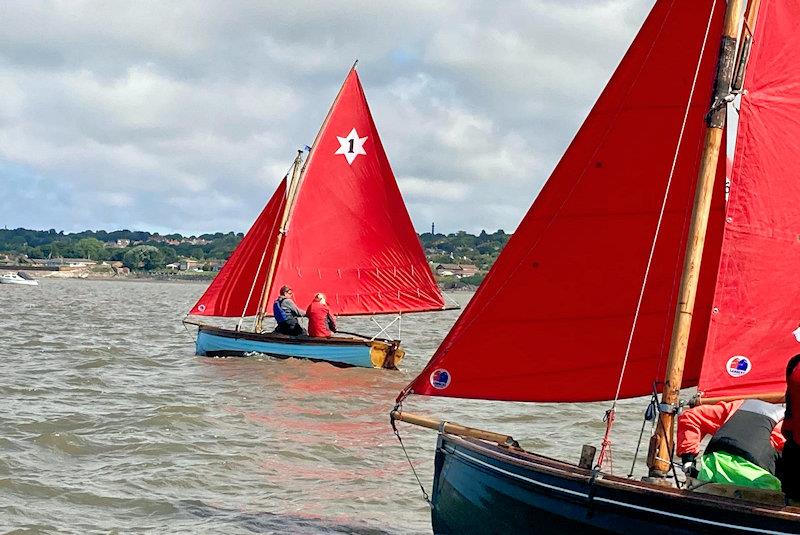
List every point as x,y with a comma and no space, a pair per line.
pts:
19,277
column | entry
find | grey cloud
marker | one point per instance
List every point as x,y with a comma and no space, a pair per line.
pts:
184,115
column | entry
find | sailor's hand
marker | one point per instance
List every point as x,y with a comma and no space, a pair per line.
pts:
689,465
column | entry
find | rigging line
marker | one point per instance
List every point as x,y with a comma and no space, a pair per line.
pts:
413,470
500,289
663,206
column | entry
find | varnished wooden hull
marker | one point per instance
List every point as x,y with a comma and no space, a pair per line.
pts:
218,342
485,488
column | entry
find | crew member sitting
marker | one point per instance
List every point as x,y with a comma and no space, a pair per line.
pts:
745,445
286,314
320,321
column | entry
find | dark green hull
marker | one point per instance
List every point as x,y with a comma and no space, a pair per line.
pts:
485,488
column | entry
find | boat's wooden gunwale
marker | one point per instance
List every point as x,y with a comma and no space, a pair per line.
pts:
557,468
284,339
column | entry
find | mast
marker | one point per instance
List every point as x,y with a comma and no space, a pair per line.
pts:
290,196
659,458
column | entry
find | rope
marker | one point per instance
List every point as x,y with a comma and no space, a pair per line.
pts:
649,416
611,413
605,448
397,434
663,209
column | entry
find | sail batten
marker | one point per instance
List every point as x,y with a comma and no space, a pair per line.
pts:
562,296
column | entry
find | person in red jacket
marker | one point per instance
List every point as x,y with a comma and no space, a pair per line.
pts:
790,477
320,322
745,446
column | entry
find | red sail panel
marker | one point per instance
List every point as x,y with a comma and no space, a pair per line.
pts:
551,321
757,299
244,274
349,234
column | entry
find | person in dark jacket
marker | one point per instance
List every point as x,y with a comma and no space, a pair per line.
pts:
790,476
320,322
287,314
744,448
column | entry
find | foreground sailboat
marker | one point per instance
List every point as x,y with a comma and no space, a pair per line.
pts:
336,225
611,254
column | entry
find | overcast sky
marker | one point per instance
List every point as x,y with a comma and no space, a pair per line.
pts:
183,116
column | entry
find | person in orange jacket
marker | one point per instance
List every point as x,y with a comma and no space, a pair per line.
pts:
320,322
745,445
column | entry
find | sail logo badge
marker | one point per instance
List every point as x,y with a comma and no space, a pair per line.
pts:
351,146
440,379
738,365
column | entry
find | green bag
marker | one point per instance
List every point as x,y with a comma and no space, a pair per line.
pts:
721,467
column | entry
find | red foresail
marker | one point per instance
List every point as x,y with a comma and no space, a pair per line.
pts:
236,290
349,234
551,321
757,303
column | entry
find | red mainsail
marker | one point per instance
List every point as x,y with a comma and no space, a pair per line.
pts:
757,300
552,319
349,234
236,290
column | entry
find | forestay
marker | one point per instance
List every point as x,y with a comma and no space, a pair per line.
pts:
551,321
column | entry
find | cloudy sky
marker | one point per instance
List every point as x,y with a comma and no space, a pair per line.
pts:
182,116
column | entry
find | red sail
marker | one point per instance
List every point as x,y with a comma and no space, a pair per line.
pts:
551,321
349,234
757,299
241,280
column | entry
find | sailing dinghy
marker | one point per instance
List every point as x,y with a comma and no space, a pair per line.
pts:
337,225
644,279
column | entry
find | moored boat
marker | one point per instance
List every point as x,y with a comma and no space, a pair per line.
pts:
644,279
336,225
20,277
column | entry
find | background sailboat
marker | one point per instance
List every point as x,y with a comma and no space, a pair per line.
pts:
603,256
337,225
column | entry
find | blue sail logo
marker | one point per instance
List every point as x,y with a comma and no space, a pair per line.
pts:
440,379
738,365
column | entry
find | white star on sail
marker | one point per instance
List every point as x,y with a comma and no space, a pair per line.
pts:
351,146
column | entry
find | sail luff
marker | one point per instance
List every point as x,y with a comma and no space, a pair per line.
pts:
265,292
660,456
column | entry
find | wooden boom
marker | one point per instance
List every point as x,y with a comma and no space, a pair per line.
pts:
451,428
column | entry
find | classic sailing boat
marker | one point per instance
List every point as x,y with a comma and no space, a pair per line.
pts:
611,254
336,225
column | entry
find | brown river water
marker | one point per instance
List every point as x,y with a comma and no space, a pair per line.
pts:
110,424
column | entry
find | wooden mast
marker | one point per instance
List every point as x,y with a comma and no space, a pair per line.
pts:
294,187
659,458
273,265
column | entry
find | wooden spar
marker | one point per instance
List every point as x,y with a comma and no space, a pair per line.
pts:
769,397
290,208
745,43
660,453
273,265
294,187
453,429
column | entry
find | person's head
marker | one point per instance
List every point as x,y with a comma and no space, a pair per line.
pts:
790,366
320,297
286,291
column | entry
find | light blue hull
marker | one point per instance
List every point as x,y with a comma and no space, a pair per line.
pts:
217,342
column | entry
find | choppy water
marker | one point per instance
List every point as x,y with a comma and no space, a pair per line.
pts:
110,424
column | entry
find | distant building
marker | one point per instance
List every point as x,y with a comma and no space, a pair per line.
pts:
191,265
458,270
